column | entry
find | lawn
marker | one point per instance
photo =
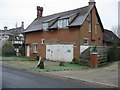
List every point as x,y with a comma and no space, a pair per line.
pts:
31,63
17,59
65,67
48,67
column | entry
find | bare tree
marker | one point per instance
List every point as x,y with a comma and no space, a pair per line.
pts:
118,31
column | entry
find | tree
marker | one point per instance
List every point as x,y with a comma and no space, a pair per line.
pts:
118,31
8,49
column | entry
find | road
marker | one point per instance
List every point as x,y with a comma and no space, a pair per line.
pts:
14,78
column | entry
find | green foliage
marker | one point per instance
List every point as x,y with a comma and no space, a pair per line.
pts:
22,50
18,58
112,54
8,49
94,49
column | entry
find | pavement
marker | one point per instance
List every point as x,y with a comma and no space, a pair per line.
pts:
105,75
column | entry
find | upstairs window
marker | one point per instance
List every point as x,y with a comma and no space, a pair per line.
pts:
63,23
35,47
45,26
89,21
90,27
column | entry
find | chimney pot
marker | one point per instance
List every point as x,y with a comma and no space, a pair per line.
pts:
92,2
39,11
22,25
5,28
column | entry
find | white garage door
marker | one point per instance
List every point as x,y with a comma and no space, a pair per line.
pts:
59,52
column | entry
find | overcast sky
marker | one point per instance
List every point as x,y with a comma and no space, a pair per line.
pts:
16,11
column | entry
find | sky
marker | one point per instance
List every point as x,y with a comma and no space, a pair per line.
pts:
13,12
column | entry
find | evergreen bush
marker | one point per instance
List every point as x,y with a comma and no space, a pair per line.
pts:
8,49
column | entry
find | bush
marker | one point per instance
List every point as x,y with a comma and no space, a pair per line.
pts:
112,54
8,49
22,50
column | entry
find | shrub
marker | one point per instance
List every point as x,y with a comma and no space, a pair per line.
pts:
22,50
112,54
8,49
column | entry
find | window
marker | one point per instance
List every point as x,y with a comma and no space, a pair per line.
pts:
63,23
89,20
42,41
35,47
90,27
86,41
45,26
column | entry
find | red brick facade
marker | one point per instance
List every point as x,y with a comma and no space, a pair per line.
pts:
74,35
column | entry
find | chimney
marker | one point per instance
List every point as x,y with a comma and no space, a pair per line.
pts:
92,2
39,11
22,25
5,28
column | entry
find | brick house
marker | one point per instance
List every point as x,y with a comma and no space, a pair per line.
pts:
60,36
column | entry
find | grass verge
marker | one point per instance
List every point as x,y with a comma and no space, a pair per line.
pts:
14,58
33,66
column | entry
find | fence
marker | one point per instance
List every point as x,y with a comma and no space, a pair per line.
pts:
103,53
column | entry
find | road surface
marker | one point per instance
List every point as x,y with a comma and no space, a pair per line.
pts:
14,78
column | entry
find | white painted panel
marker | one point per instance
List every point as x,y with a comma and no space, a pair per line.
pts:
69,52
83,48
59,52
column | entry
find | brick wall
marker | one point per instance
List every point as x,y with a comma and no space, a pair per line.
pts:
70,35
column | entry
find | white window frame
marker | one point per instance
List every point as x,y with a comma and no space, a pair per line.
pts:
35,47
90,27
42,41
45,26
86,43
63,23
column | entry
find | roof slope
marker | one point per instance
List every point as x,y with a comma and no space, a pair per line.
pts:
81,14
110,37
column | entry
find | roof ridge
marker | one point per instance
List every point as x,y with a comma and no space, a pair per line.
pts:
66,11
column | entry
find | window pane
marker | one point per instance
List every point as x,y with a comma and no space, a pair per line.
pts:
90,26
63,23
86,41
35,47
45,26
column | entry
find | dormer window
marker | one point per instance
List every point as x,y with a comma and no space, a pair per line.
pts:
63,23
45,26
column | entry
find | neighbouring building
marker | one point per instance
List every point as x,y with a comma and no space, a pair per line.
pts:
110,39
60,36
14,35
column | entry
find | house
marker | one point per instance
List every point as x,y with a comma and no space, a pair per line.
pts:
14,35
110,39
60,36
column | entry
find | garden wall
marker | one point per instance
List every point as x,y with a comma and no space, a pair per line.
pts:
103,54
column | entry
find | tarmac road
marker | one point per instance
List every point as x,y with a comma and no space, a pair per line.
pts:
14,78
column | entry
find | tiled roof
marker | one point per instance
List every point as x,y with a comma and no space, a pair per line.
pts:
110,37
81,14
